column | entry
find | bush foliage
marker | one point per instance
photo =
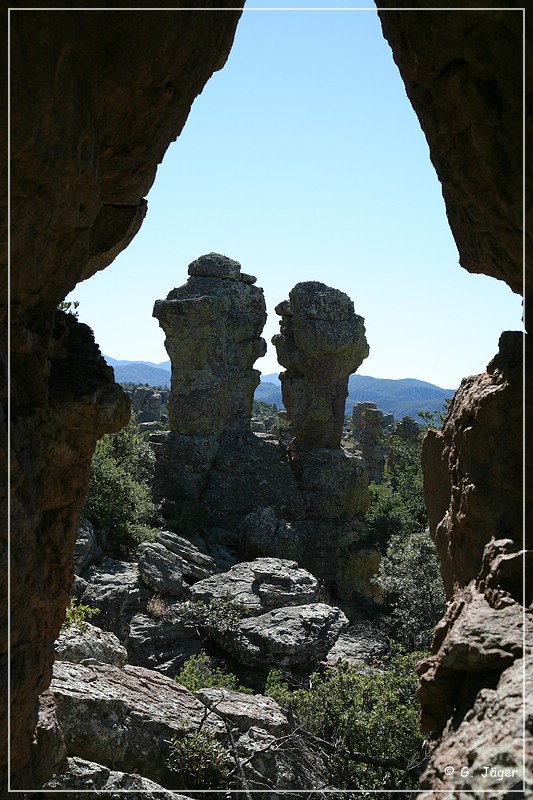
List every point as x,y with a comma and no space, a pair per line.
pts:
77,614
370,721
200,760
398,526
119,496
199,672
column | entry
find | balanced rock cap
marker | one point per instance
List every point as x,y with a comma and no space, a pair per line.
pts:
214,265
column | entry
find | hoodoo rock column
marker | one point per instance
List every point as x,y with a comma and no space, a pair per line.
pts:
321,343
213,326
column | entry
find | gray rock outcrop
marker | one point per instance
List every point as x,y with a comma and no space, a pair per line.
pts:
146,404
193,564
325,547
115,588
86,548
123,717
288,636
260,585
160,569
281,621
368,427
213,326
102,782
116,721
159,640
361,644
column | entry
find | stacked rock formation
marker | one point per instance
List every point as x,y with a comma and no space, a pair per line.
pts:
321,343
368,425
213,327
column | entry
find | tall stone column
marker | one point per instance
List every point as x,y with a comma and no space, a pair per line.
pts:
213,326
322,341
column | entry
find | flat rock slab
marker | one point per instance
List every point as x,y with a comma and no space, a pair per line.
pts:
193,563
122,718
287,636
260,585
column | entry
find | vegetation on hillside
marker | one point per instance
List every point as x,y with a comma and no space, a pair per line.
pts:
366,721
119,497
398,526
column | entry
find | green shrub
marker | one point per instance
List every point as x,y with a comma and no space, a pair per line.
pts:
397,525
198,672
222,614
410,575
369,719
200,760
76,615
397,504
119,495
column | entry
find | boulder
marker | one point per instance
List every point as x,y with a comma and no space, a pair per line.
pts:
123,720
160,569
104,783
330,550
162,643
79,642
193,563
286,636
359,646
260,585
283,764
245,710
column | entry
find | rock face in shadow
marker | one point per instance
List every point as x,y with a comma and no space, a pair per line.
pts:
473,467
96,99
463,75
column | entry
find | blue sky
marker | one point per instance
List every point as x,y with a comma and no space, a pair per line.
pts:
303,160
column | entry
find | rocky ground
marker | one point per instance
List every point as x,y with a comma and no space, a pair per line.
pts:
117,703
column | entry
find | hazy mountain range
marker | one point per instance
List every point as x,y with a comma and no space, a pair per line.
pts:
404,397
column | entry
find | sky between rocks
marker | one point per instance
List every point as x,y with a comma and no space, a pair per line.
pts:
303,160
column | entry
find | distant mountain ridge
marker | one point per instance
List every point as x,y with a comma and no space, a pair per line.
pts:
403,397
